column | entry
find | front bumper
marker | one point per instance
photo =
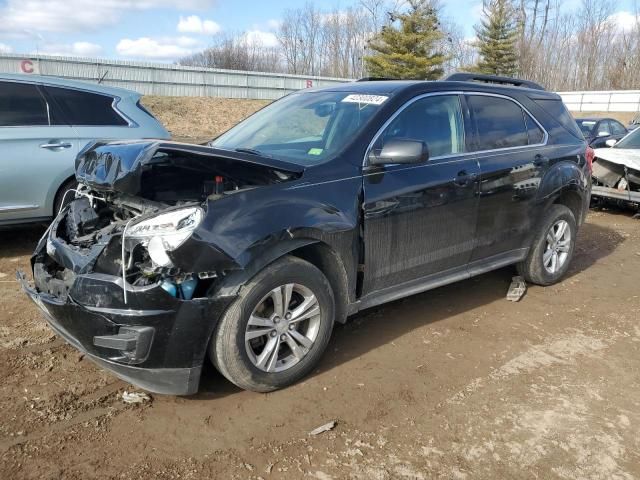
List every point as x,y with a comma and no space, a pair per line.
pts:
173,381
155,341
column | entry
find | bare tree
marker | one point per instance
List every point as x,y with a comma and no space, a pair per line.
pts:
237,52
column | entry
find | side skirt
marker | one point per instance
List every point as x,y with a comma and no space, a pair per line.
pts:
436,280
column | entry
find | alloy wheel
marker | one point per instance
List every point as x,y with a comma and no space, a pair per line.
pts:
282,328
558,246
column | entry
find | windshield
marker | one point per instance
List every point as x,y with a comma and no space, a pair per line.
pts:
586,126
630,141
304,128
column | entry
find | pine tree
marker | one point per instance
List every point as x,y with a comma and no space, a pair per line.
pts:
497,37
408,48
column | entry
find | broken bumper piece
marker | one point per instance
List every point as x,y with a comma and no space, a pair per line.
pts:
156,342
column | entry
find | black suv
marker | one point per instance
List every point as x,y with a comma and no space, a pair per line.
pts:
322,204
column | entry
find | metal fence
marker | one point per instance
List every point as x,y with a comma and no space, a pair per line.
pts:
173,80
610,101
163,79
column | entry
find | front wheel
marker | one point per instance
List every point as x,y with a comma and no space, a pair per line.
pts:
552,248
277,330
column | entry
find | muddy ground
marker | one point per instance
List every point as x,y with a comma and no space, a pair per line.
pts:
454,383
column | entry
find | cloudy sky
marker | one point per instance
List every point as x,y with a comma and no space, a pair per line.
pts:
162,30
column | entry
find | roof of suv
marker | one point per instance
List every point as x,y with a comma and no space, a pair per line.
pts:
390,87
64,82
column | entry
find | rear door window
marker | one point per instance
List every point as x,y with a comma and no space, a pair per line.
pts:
500,122
617,128
535,133
22,105
82,108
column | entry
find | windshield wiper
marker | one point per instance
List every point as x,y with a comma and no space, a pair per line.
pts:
251,151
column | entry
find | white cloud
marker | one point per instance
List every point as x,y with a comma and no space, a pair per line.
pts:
624,20
274,24
76,49
4,48
22,18
261,38
195,24
167,48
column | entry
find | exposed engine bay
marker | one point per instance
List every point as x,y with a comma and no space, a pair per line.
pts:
137,203
616,175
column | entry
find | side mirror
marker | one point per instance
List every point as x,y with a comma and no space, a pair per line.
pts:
400,150
603,134
611,142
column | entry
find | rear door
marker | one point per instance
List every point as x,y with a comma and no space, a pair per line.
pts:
419,220
36,156
92,115
510,145
618,131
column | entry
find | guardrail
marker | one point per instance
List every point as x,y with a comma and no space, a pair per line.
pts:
163,79
603,101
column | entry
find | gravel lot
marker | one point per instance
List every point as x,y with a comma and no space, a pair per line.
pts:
454,383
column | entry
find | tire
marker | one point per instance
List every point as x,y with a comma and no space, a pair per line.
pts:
538,267
61,199
246,361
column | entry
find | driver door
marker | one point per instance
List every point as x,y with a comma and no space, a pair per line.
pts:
420,220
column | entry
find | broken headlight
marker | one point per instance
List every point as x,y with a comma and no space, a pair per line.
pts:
166,232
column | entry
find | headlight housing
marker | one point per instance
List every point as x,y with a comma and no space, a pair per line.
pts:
166,232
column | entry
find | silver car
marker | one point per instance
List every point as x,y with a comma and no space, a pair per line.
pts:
44,123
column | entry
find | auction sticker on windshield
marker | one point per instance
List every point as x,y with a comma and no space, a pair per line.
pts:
370,99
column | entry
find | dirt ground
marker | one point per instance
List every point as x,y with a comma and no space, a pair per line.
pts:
199,119
454,383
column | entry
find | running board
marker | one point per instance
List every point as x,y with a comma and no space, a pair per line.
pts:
436,280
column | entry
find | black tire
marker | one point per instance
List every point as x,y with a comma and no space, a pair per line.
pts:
533,267
62,199
228,350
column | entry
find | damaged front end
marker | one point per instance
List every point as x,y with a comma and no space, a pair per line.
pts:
616,175
127,272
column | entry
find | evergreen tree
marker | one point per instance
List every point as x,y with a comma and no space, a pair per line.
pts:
408,48
497,39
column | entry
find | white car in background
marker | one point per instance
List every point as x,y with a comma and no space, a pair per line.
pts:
44,123
616,170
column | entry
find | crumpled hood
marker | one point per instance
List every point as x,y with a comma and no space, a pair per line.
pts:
119,166
622,156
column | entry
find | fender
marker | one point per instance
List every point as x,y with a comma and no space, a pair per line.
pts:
255,227
230,285
564,176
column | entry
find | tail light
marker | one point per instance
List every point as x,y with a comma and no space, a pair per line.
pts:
590,155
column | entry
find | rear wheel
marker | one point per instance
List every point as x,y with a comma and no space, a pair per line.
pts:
552,248
278,328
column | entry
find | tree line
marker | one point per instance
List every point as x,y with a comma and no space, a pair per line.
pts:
583,48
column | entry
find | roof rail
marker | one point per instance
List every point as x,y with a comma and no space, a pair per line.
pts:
478,77
375,79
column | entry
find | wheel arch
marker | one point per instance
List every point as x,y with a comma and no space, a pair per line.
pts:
314,251
329,263
571,199
59,192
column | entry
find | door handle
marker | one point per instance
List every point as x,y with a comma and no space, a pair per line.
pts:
541,161
56,145
464,178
